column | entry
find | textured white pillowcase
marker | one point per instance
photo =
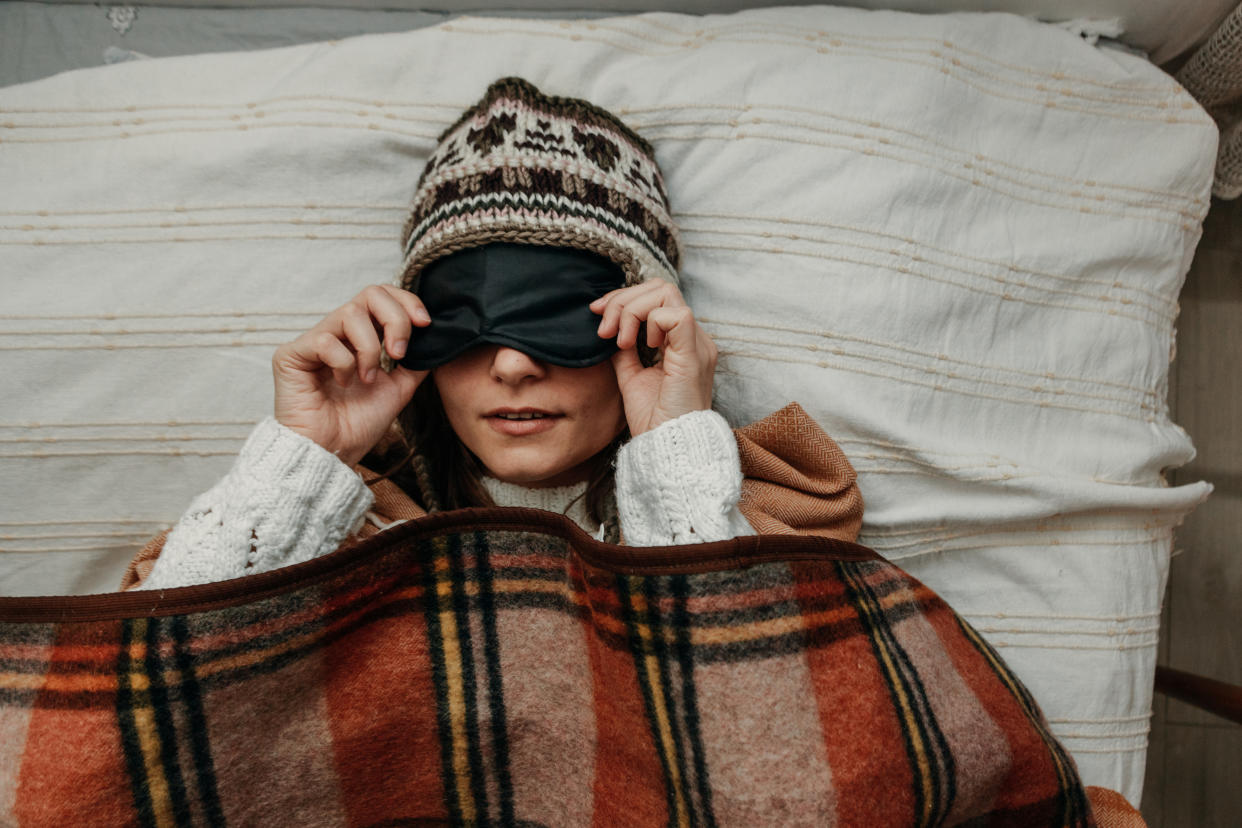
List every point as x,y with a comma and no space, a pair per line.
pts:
957,240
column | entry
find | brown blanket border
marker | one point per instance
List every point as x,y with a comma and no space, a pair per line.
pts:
629,560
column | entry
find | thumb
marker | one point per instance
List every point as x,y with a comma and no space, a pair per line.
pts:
407,381
627,365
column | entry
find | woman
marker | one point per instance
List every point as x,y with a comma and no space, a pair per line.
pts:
538,340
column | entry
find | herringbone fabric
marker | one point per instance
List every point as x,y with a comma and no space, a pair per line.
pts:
796,481
497,666
1213,74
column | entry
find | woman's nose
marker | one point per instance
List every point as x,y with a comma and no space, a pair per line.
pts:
509,365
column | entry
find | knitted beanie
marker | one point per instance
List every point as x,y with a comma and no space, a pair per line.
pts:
520,166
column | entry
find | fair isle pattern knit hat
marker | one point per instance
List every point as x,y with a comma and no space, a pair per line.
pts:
520,166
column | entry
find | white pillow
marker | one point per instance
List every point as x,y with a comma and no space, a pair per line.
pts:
957,240
1162,28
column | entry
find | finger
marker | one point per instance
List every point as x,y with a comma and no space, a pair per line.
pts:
639,310
302,354
650,284
623,314
414,306
395,314
674,328
627,365
407,381
610,306
674,297
315,350
627,329
601,301
707,347
609,326
360,335
655,336
669,293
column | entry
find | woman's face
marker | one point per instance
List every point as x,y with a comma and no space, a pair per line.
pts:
578,412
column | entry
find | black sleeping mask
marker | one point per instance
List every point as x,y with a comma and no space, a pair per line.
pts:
530,297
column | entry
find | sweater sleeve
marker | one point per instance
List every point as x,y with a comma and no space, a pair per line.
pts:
285,500
680,483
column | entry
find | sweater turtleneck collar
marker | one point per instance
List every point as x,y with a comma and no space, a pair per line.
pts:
552,499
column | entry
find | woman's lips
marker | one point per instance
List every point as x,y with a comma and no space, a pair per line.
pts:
522,428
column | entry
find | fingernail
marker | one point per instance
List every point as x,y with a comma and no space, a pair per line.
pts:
397,350
421,315
370,375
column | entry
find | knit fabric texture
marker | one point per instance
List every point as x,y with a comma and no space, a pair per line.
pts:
288,500
563,500
524,167
683,481
285,500
795,481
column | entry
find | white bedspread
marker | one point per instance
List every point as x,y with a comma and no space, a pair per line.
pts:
957,240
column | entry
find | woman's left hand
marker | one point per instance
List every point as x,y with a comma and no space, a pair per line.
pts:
681,381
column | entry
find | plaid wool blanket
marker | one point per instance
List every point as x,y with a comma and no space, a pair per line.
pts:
497,666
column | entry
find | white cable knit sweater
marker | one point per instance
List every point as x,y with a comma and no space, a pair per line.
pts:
286,500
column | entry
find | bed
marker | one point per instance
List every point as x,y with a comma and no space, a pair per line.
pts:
956,239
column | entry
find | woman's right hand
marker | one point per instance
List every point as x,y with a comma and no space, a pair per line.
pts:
329,384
